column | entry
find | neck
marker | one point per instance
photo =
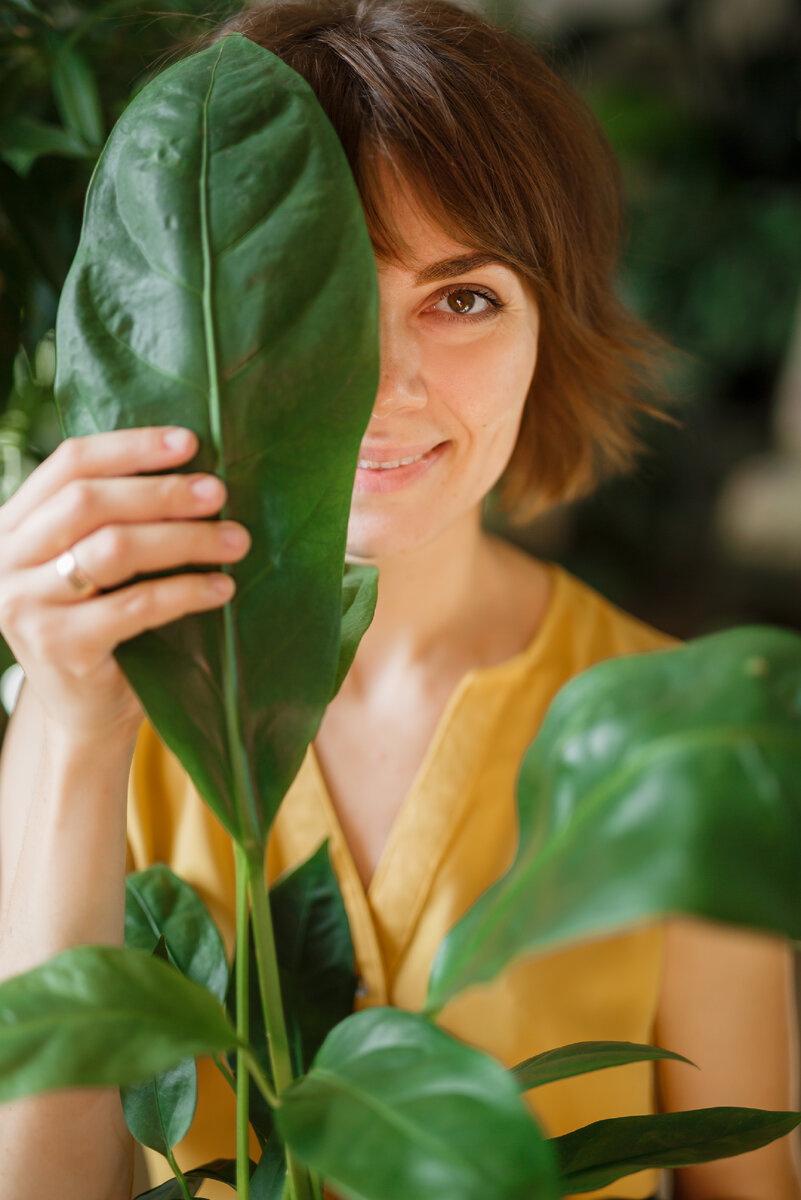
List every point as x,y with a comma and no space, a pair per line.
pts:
430,601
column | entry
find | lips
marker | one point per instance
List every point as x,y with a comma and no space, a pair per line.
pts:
382,454
391,479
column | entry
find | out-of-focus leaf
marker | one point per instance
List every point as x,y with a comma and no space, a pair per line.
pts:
98,1015
393,1107
24,139
659,783
581,1057
605,1151
78,100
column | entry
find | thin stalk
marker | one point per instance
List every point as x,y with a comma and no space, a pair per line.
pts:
272,1004
242,1028
178,1173
223,1068
262,1083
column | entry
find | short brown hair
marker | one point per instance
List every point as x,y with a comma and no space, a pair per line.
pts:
464,109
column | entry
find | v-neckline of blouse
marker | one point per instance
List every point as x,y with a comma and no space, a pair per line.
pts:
402,875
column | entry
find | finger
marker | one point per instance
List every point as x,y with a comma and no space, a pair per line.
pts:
116,452
77,637
86,505
114,617
117,553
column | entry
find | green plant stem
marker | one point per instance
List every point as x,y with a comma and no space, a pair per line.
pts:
222,1067
242,1028
178,1173
272,1004
262,1083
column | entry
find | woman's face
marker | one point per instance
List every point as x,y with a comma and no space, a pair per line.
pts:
458,350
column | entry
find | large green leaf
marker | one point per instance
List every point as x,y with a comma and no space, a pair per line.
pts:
394,1107
225,281
659,783
602,1152
157,901
98,1015
581,1057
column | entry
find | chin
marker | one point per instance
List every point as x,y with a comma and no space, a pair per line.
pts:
373,539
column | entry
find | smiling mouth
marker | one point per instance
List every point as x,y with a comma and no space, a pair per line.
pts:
371,464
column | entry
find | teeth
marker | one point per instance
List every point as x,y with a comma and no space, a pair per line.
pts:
385,466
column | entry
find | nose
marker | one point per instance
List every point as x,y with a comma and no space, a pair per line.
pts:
400,383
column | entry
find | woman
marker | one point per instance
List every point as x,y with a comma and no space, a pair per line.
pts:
492,200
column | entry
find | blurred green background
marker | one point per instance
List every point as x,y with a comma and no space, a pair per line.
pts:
702,102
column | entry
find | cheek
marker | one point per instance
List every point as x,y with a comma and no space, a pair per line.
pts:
484,382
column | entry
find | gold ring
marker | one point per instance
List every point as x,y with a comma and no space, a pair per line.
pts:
67,567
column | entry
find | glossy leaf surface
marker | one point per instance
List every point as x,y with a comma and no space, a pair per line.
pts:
158,1111
158,902
659,783
225,281
582,1057
602,1152
99,1015
393,1107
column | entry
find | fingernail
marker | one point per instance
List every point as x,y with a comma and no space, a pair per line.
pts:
222,585
206,488
178,439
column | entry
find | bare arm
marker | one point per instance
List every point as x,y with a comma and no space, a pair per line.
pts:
68,748
727,1003
62,838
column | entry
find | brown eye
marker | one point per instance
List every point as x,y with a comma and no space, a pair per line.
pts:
461,302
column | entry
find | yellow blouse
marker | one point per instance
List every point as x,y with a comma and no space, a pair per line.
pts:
454,835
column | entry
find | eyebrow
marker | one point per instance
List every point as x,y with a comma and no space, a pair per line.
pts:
450,267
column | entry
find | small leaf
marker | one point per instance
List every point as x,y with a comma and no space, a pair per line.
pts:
159,903
222,1170
359,596
159,1111
581,1057
394,1108
98,1015
24,139
605,1151
77,98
